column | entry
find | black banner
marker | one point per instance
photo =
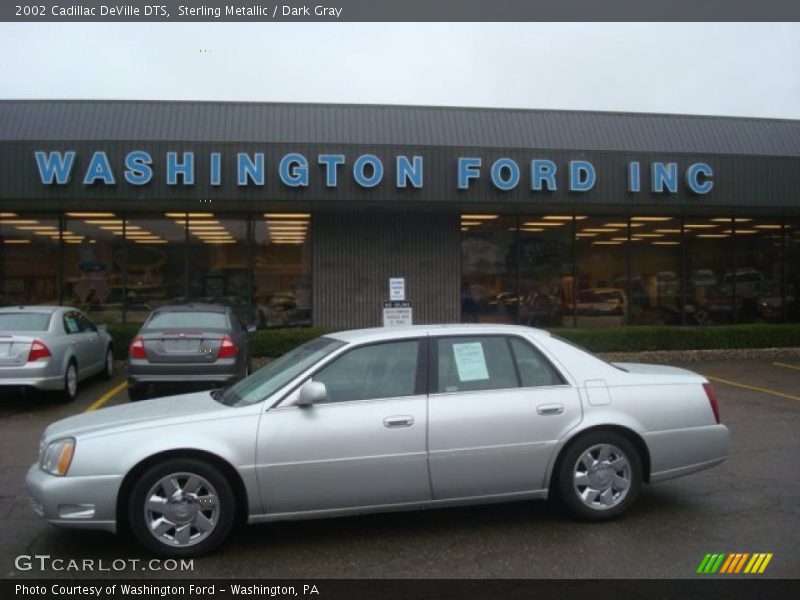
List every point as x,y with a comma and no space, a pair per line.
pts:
400,11
731,588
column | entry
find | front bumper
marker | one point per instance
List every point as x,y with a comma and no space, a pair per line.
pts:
81,502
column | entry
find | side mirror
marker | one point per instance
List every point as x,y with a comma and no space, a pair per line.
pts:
102,328
251,328
312,392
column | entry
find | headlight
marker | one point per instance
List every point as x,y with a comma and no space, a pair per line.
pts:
58,456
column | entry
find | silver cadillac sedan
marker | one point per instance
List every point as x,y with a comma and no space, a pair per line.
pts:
381,420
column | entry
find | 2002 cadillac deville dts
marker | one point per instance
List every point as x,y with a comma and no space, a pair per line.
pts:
381,420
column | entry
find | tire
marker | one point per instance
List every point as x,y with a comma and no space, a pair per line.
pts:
183,527
108,369
599,476
70,391
137,392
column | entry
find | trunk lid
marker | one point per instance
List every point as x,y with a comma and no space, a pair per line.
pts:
182,347
14,349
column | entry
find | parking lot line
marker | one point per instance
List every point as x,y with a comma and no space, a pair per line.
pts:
785,366
107,396
753,388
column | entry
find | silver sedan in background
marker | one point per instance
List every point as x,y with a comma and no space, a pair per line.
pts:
381,420
51,348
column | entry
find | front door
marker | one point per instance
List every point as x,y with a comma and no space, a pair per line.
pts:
364,446
497,409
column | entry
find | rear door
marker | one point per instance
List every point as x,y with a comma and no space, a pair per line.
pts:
496,411
80,342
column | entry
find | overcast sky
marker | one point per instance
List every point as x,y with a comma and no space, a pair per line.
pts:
726,69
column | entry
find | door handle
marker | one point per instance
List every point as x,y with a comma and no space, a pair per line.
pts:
550,409
399,421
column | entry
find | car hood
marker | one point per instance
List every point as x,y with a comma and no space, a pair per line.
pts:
145,412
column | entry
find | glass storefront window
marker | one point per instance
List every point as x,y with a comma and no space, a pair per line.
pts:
29,259
93,248
791,260
546,279
155,262
219,267
758,278
489,269
603,297
656,271
709,266
282,269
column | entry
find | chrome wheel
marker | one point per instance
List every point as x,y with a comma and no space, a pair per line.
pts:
181,509
602,476
71,380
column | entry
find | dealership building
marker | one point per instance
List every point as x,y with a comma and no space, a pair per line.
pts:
300,214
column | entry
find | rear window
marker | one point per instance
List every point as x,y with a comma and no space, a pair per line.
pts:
187,320
24,321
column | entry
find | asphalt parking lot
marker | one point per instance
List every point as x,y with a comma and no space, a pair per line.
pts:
749,504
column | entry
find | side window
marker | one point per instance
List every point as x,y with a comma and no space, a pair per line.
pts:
375,371
71,324
468,364
534,369
84,323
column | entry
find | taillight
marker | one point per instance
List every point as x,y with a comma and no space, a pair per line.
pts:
227,348
136,349
38,350
712,399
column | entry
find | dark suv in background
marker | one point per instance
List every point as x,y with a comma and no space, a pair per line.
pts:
187,347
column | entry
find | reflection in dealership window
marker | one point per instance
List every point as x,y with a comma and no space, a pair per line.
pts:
708,245
545,269
791,237
656,271
155,263
93,259
603,296
219,270
282,270
757,277
488,269
29,259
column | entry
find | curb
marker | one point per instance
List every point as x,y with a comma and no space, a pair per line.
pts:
673,356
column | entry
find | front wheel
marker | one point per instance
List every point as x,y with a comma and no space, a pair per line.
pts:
600,476
181,507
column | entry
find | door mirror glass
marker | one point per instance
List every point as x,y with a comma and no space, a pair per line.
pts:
312,392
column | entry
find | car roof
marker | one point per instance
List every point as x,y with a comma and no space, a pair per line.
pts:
192,307
388,333
34,308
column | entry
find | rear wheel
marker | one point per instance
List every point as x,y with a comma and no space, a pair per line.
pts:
600,476
108,370
70,382
182,507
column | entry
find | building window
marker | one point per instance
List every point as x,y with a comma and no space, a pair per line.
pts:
603,297
155,263
29,259
489,269
656,273
758,274
708,244
93,250
282,269
219,262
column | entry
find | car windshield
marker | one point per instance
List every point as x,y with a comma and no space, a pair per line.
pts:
186,320
269,379
33,321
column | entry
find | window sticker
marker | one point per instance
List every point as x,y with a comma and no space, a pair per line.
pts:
470,361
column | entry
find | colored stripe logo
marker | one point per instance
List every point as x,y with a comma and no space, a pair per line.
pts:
736,562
